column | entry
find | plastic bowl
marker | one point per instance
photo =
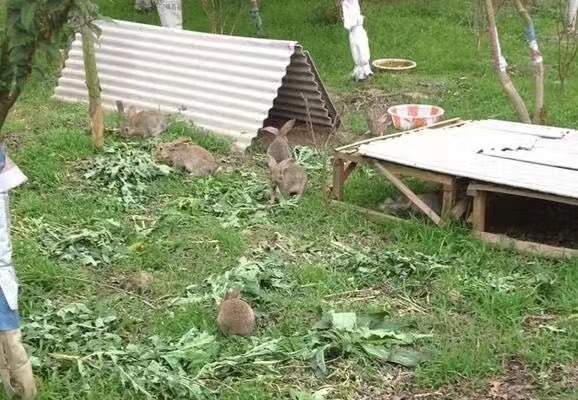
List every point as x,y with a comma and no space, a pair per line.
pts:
412,116
394,64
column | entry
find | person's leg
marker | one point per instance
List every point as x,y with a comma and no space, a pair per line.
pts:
15,369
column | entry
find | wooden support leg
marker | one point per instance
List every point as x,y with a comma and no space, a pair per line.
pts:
349,168
479,211
338,178
409,194
449,200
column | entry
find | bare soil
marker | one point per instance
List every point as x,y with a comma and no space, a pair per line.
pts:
533,220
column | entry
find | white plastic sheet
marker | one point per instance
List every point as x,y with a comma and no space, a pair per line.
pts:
571,16
10,177
170,11
358,41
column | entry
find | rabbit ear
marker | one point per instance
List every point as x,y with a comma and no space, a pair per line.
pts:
182,140
287,127
271,130
271,163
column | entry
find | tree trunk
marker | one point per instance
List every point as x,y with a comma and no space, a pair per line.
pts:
538,62
501,66
93,84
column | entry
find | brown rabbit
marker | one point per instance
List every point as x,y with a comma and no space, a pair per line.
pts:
182,153
404,206
234,316
288,177
279,148
144,124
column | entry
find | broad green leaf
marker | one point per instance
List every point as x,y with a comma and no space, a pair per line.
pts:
300,395
379,352
371,320
377,321
343,321
318,362
406,357
27,14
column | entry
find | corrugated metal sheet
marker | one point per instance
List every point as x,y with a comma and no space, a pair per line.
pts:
456,151
229,85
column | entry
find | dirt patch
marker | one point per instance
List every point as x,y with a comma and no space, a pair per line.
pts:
300,135
515,383
563,378
534,322
533,220
14,141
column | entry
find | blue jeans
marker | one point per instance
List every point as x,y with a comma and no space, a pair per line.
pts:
9,319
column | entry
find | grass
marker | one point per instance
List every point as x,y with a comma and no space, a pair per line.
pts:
479,308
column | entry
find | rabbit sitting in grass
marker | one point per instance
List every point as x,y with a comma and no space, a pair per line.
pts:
144,124
235,316
183,154
279,148
287,177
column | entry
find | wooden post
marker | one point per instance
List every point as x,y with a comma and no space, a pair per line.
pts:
92,83
479,211
449,200
349,168
338,178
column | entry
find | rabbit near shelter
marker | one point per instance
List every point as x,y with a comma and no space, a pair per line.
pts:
235,316
183,154
144,124
287,177
279,148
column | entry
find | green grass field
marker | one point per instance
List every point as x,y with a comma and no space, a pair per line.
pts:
488,323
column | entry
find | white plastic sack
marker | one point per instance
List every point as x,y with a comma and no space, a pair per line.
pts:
171,13
571,16
358,41
143,5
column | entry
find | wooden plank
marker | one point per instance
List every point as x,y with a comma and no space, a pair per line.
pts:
351,157
448,200
409,194
371,213
398,169
402,170
338,178
524,246
474,187
479,211
349,168
453,121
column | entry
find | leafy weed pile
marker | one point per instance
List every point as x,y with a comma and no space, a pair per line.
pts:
237,200
388,264
76,344
125,171
370,335
255,277
93,243
73,343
